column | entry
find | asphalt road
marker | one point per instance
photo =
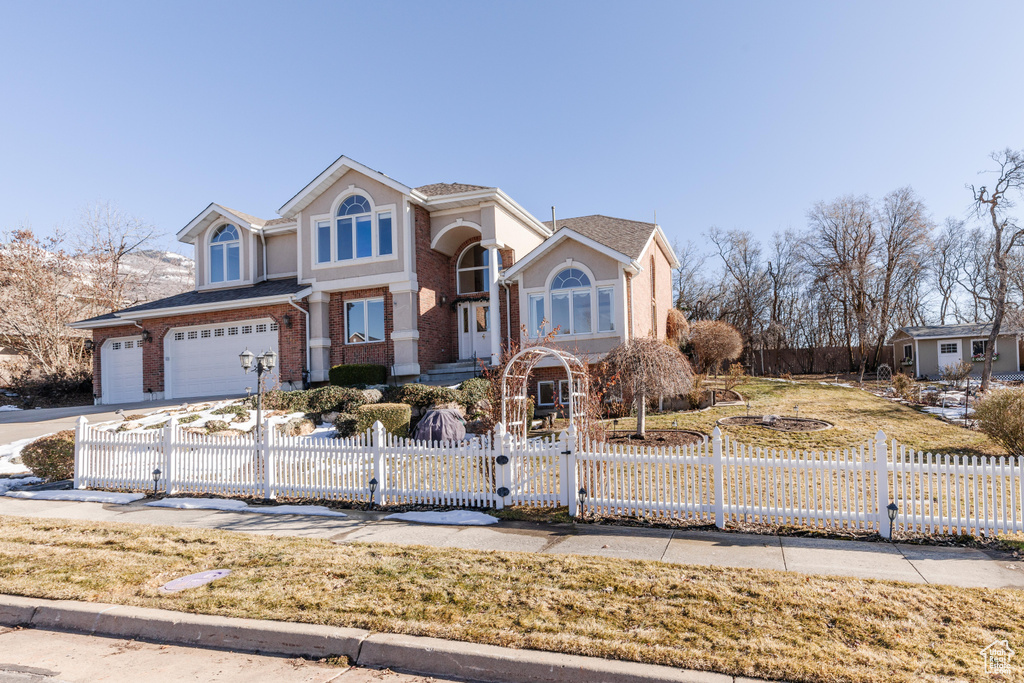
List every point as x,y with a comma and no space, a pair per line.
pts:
35,656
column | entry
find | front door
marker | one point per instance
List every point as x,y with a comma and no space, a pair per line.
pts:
949,352
474,330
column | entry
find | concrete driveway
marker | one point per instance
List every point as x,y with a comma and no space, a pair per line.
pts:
23,424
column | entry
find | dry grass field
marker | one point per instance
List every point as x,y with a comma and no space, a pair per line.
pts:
766,624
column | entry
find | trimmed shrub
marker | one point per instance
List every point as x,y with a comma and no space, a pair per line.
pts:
438,396
372,396
357,373
474,390
332,399
288,401
345,424
714,342
412,394
677,328
52,457
1001,416
394,416
233,409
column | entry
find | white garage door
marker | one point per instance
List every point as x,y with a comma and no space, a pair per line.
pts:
203,360
121,370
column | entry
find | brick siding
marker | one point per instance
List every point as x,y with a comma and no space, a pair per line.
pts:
291,341
435,321
378,353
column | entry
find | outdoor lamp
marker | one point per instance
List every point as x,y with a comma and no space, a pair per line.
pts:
246,358
146,336
583,499
156,478
373,489
269,360
287,320
89,344
748,408
891,508
675,423
797,409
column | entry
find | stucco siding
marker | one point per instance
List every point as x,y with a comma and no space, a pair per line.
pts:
282,255
603,267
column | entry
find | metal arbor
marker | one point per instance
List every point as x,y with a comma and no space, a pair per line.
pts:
515,383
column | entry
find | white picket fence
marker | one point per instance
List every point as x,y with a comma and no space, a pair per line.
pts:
717,481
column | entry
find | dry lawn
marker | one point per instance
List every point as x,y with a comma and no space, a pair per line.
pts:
857,416
756,623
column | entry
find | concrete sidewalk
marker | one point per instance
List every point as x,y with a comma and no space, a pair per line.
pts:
899,562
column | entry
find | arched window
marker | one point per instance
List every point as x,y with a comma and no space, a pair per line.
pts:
357,232
224,261
570,299
474,270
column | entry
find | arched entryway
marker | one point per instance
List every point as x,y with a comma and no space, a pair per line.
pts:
515,384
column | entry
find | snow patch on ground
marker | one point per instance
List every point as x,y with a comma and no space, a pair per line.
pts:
199,504
12,451
951,413
317,510
453,518
7,484
79,496
4,409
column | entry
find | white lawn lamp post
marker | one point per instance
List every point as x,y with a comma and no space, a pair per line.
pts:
264,363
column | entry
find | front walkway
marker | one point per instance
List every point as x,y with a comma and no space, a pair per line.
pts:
899,562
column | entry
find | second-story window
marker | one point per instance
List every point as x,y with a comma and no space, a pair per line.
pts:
224,260
474,270
358,233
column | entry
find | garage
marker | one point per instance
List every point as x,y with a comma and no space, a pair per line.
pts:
203,360
121,370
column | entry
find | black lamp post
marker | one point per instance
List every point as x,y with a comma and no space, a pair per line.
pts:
582,497
373,490
264,363
892,509
156,479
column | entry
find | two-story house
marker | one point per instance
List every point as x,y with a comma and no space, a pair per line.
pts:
359,268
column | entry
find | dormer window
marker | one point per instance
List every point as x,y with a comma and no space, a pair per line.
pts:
224,259
358,232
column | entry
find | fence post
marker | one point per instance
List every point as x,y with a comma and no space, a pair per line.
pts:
269,482
170,437
882,484
80,428
502,464
378,436
718,472
569,485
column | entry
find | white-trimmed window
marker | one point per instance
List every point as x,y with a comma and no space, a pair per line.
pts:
979,346
364,321
358,233
224,255
908,352
545,393
569,306
473,271
537,320
949,347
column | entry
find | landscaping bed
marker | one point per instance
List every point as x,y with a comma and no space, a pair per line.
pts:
656,437
761,623
782,424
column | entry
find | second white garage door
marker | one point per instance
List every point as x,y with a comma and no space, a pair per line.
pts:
203,360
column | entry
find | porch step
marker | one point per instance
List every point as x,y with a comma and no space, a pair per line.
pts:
447,379
451,373
458,366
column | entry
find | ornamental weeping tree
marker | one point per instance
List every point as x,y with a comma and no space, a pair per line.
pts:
649,368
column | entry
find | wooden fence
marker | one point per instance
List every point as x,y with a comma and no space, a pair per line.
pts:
716,481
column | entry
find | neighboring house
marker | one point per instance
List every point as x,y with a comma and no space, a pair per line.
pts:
924,351
360,268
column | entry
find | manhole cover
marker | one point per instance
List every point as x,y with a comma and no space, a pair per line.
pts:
193,580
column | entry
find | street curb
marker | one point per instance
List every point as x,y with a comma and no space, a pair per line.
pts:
413,654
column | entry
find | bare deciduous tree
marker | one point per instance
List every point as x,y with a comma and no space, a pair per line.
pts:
1006,235
714,342
107,237
648,368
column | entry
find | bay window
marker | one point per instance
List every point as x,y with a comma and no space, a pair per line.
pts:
364,321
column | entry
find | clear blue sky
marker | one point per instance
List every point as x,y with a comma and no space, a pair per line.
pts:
731,114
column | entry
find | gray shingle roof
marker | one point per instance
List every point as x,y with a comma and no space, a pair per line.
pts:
441,189
257,291
248,218
273,222
969,330
622,235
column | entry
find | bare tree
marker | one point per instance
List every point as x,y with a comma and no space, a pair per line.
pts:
648,368
948,257
694,292
107,238
840,249
38,298
714,342
746,280
1006,235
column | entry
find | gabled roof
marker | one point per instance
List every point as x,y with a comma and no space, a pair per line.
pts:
213,213
342,165
442,189
951,331
218,299
624,236
564,234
